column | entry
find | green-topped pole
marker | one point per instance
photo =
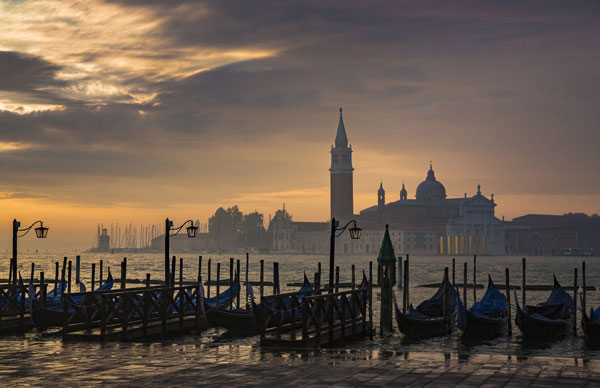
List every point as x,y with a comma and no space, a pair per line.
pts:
386,261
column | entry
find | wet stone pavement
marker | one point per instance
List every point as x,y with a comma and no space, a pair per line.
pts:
45,362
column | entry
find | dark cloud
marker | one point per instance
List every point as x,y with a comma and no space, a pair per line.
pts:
22,72
500,85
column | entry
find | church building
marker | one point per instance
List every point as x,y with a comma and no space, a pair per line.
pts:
431,223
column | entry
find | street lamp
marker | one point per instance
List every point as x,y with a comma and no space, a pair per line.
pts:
354,235
191,232
41,232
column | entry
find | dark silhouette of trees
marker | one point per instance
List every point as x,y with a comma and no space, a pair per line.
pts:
230,229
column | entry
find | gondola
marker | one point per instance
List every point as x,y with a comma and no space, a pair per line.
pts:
241,321
225,297
591,326
430,318
53,314
487,318
550,319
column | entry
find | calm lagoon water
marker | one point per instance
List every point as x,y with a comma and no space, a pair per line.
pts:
423,270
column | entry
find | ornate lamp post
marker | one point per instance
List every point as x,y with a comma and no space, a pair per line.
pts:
41,232
191,232
354,235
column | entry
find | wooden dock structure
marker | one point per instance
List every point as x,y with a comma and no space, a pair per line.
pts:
15,315
133,313
315,318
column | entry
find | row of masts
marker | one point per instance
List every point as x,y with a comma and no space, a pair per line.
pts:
130,236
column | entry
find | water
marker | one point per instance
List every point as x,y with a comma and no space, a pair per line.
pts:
423,270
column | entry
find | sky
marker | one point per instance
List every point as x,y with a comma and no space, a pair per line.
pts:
133,111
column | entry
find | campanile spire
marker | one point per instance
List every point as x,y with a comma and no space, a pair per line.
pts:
341,171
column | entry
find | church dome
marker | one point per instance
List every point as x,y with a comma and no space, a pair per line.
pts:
431,190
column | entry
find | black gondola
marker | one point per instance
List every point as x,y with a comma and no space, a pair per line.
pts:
550,319
432,318
591,326
487,318
241,321
225,298
53,315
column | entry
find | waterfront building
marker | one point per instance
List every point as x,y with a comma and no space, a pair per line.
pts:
570,234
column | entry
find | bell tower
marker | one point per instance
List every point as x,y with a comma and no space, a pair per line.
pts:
342,198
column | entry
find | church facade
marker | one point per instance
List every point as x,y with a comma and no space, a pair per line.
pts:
431,223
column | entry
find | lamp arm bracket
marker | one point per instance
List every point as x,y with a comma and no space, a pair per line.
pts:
26,230
342,229
178,229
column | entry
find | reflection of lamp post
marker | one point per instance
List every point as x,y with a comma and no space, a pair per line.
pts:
354,234
41,232
191,232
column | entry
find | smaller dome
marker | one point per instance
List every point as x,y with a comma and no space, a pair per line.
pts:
431,190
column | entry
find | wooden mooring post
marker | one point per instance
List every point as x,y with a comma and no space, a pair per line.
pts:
69,278
77,268
147,280
237,279
407,284
63,274
575,301
444,310
56,277
200,269
319,270
172,280
262,278
337,279
218,282
123,275
199,278
371,331
453,271
208,276
100,270
32,273
276,288
353,278
167,275
404,307
231,279
583,281
524,282
181,271
43,290
465,284
400,271
508,306
94,276
474,278
247,284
